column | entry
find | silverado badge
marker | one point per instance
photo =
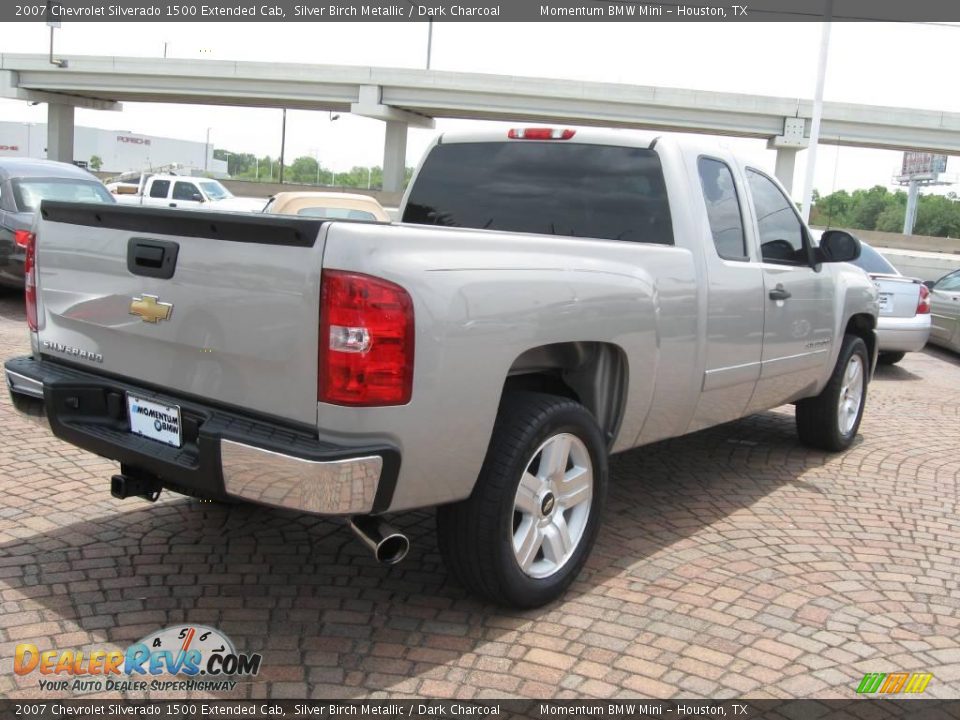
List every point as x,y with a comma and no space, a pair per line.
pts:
150,309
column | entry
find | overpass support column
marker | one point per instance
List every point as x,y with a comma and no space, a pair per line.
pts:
787,146
60,132
394,156
370,104
786,164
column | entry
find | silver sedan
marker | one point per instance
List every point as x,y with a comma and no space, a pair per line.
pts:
904,322
945,311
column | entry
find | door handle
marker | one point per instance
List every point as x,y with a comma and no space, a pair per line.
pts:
779,293
152,258
173,204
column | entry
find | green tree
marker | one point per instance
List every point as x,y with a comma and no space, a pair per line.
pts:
832,210
938,216
302,170
238,164
868,205
96,162
880,209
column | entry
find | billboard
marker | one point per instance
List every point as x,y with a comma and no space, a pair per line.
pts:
921,163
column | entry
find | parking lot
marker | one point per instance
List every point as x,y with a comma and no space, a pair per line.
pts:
732,563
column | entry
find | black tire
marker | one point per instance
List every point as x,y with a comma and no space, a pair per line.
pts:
817,417
890,358
476,534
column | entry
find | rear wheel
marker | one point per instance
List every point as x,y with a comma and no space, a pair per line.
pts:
890,358
830,420
524,533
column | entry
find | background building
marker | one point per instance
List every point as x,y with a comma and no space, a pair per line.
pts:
118,150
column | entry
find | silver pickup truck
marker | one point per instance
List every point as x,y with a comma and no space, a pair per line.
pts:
550,297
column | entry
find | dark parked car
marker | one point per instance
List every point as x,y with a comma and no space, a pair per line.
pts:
24,182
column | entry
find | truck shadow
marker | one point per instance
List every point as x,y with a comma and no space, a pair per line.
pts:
330,621
941,353
11,305
894,372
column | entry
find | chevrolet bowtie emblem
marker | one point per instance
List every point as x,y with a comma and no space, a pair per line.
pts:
150,309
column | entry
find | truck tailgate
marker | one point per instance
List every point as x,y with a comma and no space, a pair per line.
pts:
236,322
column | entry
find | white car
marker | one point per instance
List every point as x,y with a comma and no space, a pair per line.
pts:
904,322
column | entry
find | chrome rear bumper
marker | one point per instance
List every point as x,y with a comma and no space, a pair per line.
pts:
334,487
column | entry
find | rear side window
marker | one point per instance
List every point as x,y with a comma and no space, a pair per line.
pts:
159,188
873,262
950,283
336,213
723,209
30,192
552,188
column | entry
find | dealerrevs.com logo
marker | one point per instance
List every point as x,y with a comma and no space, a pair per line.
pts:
206,656
894,683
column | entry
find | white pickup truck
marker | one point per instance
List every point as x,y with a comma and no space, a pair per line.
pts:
184,191
550,297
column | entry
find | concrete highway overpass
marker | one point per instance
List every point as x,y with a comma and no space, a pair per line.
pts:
408,97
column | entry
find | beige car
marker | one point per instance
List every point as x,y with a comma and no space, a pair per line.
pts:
330,205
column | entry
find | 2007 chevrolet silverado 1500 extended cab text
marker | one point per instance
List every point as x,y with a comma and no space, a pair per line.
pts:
551,296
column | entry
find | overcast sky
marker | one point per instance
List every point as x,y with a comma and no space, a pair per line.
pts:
874,63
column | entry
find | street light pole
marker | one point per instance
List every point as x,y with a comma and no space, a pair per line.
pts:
283,143
206,152
817,112
429,42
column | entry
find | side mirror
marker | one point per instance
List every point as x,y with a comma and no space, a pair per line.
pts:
838,246
197,197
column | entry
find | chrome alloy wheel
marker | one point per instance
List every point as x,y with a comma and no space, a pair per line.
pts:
851,394
552,505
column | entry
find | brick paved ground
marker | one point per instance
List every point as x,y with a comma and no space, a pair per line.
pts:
732,563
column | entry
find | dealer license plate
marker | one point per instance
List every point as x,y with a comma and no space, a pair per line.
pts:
155,420
886,302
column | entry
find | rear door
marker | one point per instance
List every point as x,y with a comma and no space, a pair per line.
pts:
798,308
735,302
218,306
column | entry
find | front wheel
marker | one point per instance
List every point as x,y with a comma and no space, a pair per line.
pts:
522,536
830,420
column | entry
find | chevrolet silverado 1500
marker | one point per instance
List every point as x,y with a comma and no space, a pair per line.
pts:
550,297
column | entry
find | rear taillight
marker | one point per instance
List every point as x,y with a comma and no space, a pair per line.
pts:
923,307
540,134
30,276
22,238
366,341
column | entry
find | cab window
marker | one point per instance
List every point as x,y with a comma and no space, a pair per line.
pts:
782,237
552,188
159,188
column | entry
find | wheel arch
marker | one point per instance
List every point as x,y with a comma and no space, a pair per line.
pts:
595,374
864,326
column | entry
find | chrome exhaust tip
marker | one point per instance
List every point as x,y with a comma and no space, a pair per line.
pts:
388,545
